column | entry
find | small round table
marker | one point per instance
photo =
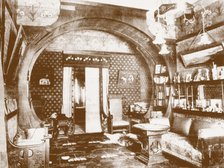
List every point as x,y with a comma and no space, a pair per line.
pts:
150,137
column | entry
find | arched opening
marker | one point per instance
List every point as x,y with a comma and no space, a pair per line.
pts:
139,40
64,92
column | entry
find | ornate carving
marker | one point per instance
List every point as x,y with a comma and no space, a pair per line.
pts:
86,60
213,15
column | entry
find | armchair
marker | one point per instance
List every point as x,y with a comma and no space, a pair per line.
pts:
117,123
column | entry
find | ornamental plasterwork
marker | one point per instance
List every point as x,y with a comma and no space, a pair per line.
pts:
214,14
37,12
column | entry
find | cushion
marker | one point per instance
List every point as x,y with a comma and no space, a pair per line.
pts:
210,133
196,126
200,124
180,146
181,125
120,123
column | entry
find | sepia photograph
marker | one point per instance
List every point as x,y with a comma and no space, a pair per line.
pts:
112,83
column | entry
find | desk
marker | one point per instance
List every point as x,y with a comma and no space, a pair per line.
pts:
150,136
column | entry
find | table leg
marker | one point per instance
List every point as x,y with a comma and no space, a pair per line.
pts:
151,152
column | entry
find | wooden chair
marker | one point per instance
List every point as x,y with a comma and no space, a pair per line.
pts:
117,122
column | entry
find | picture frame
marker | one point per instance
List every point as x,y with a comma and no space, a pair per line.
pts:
200,56
44,77
158,69
127,79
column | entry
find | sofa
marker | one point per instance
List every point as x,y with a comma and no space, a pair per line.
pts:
196,141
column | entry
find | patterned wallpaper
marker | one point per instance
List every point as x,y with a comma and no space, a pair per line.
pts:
142,91
51,96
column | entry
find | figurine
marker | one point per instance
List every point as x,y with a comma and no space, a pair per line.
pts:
207,77
198,76
221,73
176,78
214,72
188,77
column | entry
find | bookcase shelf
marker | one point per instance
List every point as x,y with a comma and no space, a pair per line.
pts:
161,88
202,98
198,113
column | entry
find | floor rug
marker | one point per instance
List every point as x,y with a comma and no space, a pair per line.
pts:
104,152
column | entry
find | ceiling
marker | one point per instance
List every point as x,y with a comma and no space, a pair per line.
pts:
139,4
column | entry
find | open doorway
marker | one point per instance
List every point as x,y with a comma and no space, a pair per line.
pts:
85,97
78,92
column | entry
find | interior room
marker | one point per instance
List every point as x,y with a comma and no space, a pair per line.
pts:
106,83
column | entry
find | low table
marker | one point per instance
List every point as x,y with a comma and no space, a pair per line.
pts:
150,136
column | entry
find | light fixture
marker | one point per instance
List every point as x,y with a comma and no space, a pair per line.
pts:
204,38
181,5
164,50
159,39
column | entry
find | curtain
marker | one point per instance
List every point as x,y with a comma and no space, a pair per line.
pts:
92,79
105,74
67,92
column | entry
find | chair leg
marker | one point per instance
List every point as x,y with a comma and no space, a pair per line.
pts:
110,126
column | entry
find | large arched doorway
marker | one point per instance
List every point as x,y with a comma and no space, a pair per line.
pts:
68,79
138,39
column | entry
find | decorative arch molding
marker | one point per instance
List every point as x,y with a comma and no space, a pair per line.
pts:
142,42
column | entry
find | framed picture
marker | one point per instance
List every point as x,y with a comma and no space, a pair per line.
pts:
44,77
127,78
201,56
157,69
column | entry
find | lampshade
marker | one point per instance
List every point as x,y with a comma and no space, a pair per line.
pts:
204,39
159,39
164,50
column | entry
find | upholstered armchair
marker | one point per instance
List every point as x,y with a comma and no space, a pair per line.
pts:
117,123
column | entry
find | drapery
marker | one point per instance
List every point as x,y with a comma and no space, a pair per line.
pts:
67,94
92,79
105,77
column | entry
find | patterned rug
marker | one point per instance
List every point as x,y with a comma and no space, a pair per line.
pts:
105,152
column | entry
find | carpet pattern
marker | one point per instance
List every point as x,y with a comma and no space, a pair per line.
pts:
103,152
